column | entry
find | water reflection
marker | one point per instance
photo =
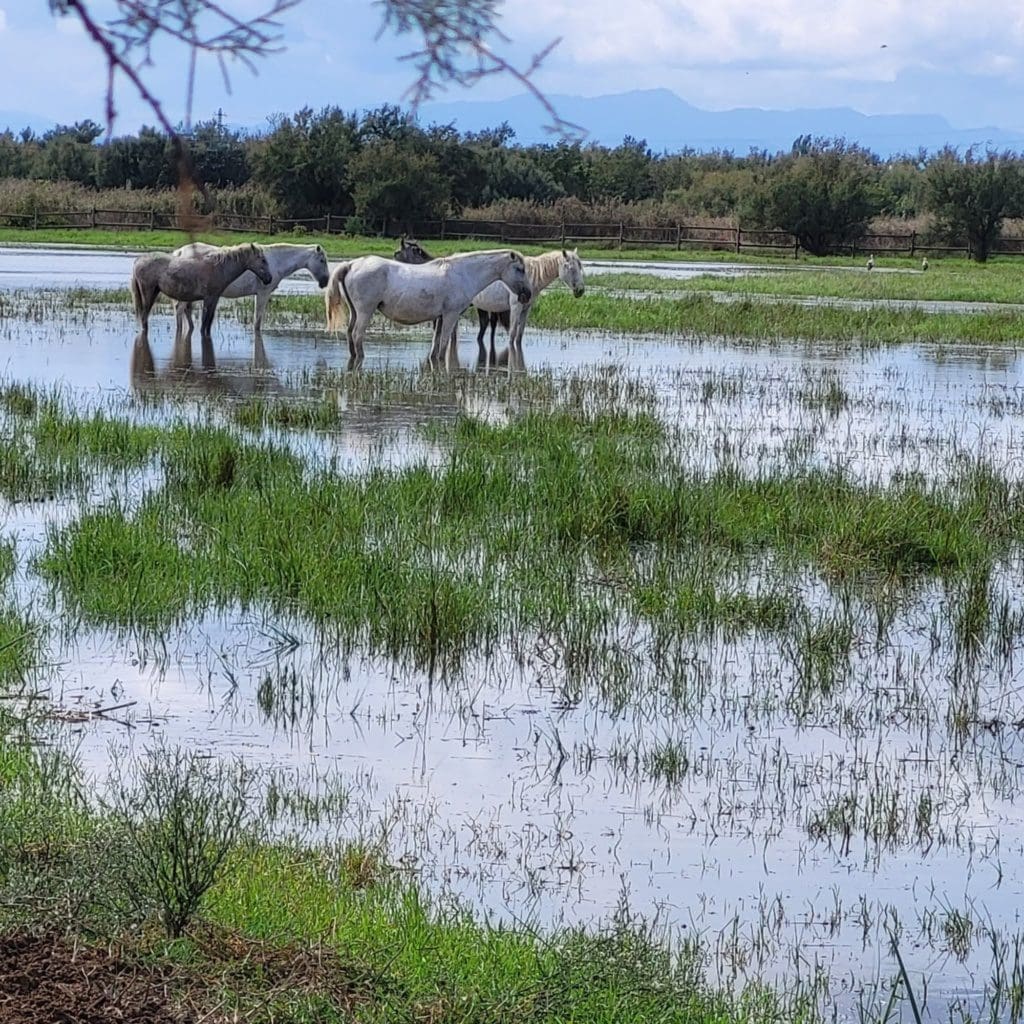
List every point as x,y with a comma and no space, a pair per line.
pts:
234,377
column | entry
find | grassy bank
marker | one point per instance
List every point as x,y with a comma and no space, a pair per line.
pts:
277,933
338,247
950,280
691,317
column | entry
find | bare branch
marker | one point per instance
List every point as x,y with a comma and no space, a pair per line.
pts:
455,50
126,40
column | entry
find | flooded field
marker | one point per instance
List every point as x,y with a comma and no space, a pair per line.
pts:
729,634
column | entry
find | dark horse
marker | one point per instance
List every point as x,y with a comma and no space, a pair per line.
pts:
410,251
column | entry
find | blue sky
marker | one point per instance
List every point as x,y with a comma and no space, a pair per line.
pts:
964,60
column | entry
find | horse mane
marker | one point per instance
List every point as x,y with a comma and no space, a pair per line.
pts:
232,250
479,252
542,270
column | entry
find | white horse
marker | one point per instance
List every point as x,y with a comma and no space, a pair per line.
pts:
415,293
193,276
495,303
283,259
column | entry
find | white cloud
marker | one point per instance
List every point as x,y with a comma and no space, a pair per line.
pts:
3,19
866,38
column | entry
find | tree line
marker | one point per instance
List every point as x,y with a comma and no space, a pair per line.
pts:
382,165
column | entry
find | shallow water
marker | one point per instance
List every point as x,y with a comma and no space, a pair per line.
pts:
529,795
56,267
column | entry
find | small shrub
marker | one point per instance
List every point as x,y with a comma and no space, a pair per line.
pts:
181,816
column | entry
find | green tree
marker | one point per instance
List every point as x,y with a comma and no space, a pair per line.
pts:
825,195
140,161
460,163
219,155
971,197
396,185
623,173
304,162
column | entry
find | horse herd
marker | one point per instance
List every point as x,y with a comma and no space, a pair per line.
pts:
411,288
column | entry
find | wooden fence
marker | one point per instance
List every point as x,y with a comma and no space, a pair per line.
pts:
612,235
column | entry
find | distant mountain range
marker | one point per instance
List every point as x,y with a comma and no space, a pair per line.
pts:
669,123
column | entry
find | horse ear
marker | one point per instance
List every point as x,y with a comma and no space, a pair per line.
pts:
565,255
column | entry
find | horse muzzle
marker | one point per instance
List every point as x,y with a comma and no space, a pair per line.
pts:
525,295
264,275
577,292
322,280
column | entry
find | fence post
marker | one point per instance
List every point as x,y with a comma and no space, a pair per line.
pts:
679,237
502,235
562,233
913,243
442,229
739,244
92,219
35,219
327,223
796,249
621,233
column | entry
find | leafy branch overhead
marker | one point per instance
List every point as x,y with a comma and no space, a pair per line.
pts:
455,50
454,43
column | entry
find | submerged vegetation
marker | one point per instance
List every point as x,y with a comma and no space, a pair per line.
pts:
512,533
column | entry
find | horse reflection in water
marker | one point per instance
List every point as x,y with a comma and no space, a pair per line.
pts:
235,378
365,421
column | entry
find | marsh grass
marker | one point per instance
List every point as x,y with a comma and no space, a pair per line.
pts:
548,522
21,646
690,316
952,281
701,316
440,964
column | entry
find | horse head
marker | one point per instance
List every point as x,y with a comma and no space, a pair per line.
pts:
255,259
514,277
570,270
410,251
317,266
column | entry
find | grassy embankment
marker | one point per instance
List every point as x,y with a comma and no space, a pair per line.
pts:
690,318
340,247
947,280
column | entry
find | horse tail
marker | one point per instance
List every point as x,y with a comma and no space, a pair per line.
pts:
333,297
136,295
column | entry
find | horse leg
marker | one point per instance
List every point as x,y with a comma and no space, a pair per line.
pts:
259,354
439,342
149,293
357,326
495,317
209,363
262,298
517,324
483,316
183,319
450,341
206,331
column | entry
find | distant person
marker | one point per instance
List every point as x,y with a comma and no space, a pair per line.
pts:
871,262
924,262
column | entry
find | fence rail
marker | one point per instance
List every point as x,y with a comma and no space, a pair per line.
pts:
617,235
